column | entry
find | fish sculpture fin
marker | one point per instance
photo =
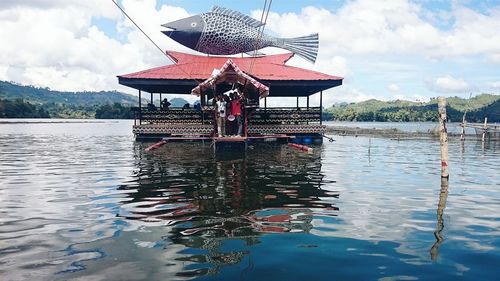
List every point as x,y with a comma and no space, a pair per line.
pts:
235,14
305,46
255,54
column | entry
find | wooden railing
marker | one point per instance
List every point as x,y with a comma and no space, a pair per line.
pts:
285,115
173,116
257,116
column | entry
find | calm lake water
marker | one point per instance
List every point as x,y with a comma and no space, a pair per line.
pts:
83,201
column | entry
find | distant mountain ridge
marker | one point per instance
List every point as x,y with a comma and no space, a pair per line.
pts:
477,107
18,101
12,91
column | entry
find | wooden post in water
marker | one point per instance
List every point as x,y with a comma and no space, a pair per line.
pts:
485,128
462,135
443,137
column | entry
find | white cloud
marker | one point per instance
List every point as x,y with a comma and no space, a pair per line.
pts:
344,93
448,84
57,46
393,88
415,97
335,65
495,85
53,43
395,27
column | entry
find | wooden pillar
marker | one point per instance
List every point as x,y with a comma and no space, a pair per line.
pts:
160,99
202,105
307,102
297,102
140,107
265,109
152,98
443,137
485,128
321,108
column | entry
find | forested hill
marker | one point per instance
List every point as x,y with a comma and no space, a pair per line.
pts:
11,91
478,107
17,101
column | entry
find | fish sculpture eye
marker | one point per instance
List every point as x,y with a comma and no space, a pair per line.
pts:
193,24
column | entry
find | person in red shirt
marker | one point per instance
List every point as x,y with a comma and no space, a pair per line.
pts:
236,110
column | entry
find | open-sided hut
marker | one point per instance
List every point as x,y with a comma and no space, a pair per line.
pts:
206,76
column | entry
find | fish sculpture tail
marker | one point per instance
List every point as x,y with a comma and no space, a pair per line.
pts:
304,46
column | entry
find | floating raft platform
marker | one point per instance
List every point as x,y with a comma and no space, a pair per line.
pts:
253,78
225,142
227,138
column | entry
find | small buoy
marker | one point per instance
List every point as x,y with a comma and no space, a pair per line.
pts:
155,146
307,140
300,147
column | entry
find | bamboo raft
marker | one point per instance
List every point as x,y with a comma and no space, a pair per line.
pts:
485,130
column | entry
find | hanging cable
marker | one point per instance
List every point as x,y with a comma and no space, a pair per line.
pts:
156,45
260,32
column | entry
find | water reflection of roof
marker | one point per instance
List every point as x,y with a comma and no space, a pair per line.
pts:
204,201
235,197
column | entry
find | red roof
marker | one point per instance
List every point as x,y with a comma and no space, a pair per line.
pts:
191,70
198,67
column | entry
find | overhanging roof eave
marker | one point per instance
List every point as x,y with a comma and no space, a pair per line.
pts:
281,88
174,86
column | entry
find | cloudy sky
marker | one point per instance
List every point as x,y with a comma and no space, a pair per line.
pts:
385,49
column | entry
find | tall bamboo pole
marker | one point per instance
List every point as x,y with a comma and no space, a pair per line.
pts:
485,128
443,137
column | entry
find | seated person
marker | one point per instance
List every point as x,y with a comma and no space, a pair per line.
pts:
165,103
186,106
151,106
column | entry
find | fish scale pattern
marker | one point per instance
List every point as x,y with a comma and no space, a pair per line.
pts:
224,35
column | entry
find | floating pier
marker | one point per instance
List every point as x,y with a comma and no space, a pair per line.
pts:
483,130
256,79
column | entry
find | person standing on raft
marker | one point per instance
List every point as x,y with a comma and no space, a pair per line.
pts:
221,116
236,110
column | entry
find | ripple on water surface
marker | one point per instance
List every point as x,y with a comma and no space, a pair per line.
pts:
94,205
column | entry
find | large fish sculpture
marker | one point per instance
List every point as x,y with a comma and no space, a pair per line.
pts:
226,32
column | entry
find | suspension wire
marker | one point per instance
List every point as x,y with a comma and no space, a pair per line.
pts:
260,32
156,45
257,38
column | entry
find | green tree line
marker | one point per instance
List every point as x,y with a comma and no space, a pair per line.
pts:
17,101
479,107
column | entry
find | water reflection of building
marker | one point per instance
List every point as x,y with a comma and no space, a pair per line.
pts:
205,200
